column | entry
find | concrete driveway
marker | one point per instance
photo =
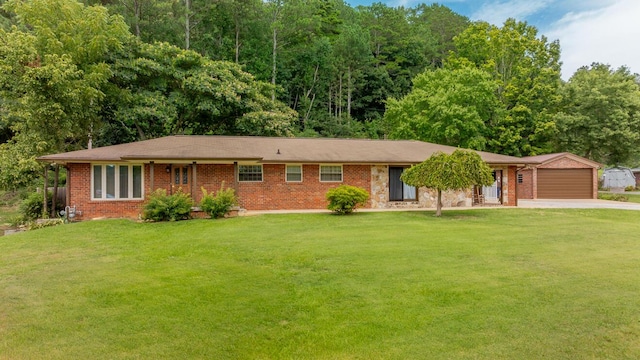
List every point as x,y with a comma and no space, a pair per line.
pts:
578,204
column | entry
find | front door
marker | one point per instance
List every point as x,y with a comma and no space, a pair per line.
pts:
182,178
493,192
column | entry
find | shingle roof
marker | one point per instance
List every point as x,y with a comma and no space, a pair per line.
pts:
269,150
541,159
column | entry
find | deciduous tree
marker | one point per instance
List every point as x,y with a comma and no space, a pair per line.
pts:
458,171
527,69
600,117
449,107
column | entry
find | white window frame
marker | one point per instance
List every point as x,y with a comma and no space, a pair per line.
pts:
117,182
286,173
255,181
331,165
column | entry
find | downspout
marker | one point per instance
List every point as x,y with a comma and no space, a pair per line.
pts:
67,192
151,175
236,185
194,180
170,179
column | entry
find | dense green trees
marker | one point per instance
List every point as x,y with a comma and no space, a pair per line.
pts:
600,115
53,69
448,107
70,71
499,91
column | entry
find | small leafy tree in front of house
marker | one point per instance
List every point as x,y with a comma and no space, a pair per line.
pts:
219,205
345,198
458,171
163,207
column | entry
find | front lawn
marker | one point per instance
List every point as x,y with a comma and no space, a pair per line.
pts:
474,284
633,198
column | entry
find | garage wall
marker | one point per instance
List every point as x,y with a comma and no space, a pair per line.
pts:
525,184
562,178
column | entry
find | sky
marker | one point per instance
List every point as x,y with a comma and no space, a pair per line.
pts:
604,31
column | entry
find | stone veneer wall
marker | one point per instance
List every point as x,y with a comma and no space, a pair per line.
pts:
427,198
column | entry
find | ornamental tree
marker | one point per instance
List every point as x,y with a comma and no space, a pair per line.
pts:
457,171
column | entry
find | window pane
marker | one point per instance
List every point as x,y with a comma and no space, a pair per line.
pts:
409,192
294,173
330,173
97,181
176,171
185,175
124,181
395,184
137,181
250,173
111,181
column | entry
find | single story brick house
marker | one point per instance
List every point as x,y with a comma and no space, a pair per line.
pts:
558,176
267,173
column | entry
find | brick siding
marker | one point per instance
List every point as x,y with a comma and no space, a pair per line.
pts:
272,193
525,189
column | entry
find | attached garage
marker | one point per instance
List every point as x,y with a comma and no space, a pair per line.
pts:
558,176
565,184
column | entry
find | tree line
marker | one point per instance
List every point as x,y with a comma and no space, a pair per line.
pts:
115,71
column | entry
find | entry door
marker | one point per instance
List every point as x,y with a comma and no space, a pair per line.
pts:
182,178
492,193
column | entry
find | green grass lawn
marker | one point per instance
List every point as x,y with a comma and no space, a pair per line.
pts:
633,198
9,209
474,284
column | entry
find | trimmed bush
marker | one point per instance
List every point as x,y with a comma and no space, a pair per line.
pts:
163,207
345,198
219,205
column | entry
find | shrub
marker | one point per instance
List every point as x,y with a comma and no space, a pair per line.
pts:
614,197
630,188
345,198
31,207
219,205
163,207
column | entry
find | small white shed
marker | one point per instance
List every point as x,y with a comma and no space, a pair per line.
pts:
618,177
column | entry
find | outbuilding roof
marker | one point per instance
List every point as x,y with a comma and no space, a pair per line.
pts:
210,148
547,158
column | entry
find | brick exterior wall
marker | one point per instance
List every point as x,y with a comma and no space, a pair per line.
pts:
79,187
509,186
272,193
525,189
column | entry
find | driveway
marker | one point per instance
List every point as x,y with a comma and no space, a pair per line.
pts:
578,204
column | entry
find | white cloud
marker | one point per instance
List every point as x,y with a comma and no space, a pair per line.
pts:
496,12
609,35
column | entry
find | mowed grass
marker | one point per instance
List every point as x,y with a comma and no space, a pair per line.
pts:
633,198
474,284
